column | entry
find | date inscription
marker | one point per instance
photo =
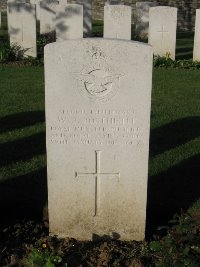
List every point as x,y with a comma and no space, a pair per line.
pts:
95,127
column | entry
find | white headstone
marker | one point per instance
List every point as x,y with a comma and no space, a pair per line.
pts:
22,27
9,4
37,3
69,22
63,2
162,30
117,22
48,10
98,99
196,52
142,18
87,16
0,17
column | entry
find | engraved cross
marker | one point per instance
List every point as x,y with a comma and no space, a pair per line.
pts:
98,174
163,31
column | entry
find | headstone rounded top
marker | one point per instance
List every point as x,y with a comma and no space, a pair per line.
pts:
97,41
163,7
98,101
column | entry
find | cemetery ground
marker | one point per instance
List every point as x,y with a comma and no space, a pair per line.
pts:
173,175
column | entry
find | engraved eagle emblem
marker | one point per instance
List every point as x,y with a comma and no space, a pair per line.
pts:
99,83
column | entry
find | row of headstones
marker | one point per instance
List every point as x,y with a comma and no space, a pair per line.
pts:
69,19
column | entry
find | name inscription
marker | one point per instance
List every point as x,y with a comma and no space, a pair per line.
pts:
95,127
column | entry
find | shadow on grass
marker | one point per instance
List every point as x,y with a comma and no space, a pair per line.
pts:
185,35
27,147
185,43
174,134
178,187
23,198
171,191
184,53
21,120
23,149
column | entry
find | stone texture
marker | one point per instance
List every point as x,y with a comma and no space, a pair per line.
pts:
87,16
186,10
69,22
48,16
98,99
22,27
117,22
196,52
142,18
37,4
63,2
162,30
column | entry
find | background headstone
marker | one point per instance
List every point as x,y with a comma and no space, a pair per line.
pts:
69,22
22,27
9,2
48,10
87,16
196,52
98,99
162,30
142,18
63,2
37,3
117,22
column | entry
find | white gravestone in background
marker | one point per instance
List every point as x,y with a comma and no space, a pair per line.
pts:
196,52
0,17
142,18
98,99
63,2
117,22
14,2
162,30
22,27
69,22
48,10
87,16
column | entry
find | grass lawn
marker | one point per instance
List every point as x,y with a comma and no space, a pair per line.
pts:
174,167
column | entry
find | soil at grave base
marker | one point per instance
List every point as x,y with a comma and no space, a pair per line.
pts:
16,243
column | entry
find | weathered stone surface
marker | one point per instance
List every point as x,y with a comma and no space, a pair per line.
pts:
196,52
22,27
186,10
69,22
37,4
142,18
98,99
48,10
162,30
63,2
117,22
87,16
